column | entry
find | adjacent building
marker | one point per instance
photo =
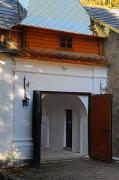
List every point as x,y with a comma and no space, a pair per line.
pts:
106,23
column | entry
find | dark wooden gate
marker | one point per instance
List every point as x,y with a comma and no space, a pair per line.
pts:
36,126
100,128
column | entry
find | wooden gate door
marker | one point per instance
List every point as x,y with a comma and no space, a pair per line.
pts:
100,128
36,126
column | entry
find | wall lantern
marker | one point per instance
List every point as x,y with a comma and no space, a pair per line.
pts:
103,89
25,101
26,83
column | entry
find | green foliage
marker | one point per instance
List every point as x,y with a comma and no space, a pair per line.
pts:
101,3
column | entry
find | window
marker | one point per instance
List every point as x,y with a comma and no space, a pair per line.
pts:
10,39
65,42
3,40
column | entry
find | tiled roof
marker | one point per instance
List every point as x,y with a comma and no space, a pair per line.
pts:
63,56
106,15
68,15
62,15
10,13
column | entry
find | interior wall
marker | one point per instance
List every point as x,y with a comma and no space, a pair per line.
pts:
76,128
84,125
45,126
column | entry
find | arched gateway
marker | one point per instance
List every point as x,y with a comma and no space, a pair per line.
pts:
65,122
64,126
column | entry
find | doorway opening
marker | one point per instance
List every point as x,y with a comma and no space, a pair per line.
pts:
50,113
64,127
69,128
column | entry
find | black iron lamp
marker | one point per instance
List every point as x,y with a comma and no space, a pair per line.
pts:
25,101
103,89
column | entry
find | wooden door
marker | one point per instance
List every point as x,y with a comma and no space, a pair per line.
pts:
36,126
100,128
69,128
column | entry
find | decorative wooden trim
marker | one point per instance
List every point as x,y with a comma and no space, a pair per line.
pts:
64,61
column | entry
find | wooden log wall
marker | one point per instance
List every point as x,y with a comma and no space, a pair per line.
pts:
41,38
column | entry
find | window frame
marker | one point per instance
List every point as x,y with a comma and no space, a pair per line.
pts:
66,42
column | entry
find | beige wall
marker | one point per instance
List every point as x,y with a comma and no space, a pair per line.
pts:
112,54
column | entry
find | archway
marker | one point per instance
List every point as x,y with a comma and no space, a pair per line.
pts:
54,126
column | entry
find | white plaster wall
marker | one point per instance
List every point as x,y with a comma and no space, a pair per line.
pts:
56,120
45,126
56,127
53,77
84,125
6,105
42,76
76,128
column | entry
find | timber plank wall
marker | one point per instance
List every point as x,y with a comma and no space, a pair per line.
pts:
49,39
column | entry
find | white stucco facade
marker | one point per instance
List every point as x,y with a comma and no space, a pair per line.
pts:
16,120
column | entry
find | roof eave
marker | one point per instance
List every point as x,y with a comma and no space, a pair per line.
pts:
105,24
61,31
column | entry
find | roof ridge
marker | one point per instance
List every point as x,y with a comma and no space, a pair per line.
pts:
90,7
104,15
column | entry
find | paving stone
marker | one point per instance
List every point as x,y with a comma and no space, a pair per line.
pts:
74,169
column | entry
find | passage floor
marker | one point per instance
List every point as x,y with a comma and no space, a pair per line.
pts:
53,154
77,169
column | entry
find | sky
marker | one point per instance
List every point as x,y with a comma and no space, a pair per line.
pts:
24,2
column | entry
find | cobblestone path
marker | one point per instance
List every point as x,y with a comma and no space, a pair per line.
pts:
75,169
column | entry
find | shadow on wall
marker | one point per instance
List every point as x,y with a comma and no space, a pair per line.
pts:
6,108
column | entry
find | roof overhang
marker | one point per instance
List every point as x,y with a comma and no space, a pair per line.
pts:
107,25
64,57
18,26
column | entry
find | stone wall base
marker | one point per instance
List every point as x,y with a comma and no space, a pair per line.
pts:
15,163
